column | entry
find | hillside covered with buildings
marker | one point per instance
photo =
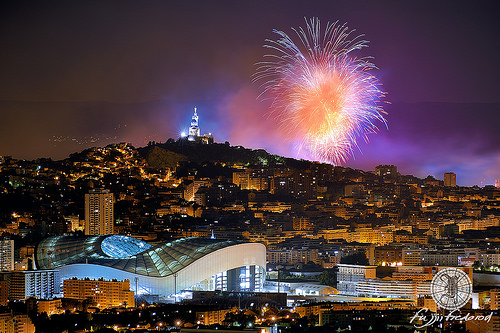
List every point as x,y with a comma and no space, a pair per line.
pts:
325,230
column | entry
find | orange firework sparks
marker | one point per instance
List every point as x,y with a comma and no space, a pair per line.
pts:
321,92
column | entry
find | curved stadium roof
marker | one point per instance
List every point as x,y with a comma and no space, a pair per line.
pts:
125,253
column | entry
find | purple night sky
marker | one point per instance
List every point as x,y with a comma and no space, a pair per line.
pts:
76,74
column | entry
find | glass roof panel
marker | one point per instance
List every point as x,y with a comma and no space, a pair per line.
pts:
119,246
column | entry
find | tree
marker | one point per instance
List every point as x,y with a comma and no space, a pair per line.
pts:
328,278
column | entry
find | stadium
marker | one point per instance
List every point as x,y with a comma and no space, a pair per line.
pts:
159,270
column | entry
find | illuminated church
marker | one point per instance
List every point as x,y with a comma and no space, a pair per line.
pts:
194,131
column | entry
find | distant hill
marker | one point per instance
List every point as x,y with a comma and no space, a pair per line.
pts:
171,152
162,155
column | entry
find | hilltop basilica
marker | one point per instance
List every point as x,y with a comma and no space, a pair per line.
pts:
194,132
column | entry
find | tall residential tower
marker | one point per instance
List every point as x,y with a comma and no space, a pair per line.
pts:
450,179
99,212
6,255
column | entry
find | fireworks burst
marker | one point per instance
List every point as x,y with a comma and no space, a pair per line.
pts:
321,93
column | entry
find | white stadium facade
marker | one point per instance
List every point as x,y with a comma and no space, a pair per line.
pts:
159,270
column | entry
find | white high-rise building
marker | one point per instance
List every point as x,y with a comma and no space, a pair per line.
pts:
99,212
42,284
6,255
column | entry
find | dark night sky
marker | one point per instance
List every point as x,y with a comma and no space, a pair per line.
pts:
134,70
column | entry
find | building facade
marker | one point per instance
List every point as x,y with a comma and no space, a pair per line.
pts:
292,256
49,306
42,284
407,282
6,255
349,276
4,291
16,323
450,179
192,189
105,294
99,213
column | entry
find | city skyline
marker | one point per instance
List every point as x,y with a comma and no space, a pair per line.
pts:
124,71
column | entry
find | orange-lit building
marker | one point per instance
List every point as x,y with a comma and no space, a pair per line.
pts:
49,306
104,293
388,254
301,223
292,256
4,292
16,323
212,317
450,179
